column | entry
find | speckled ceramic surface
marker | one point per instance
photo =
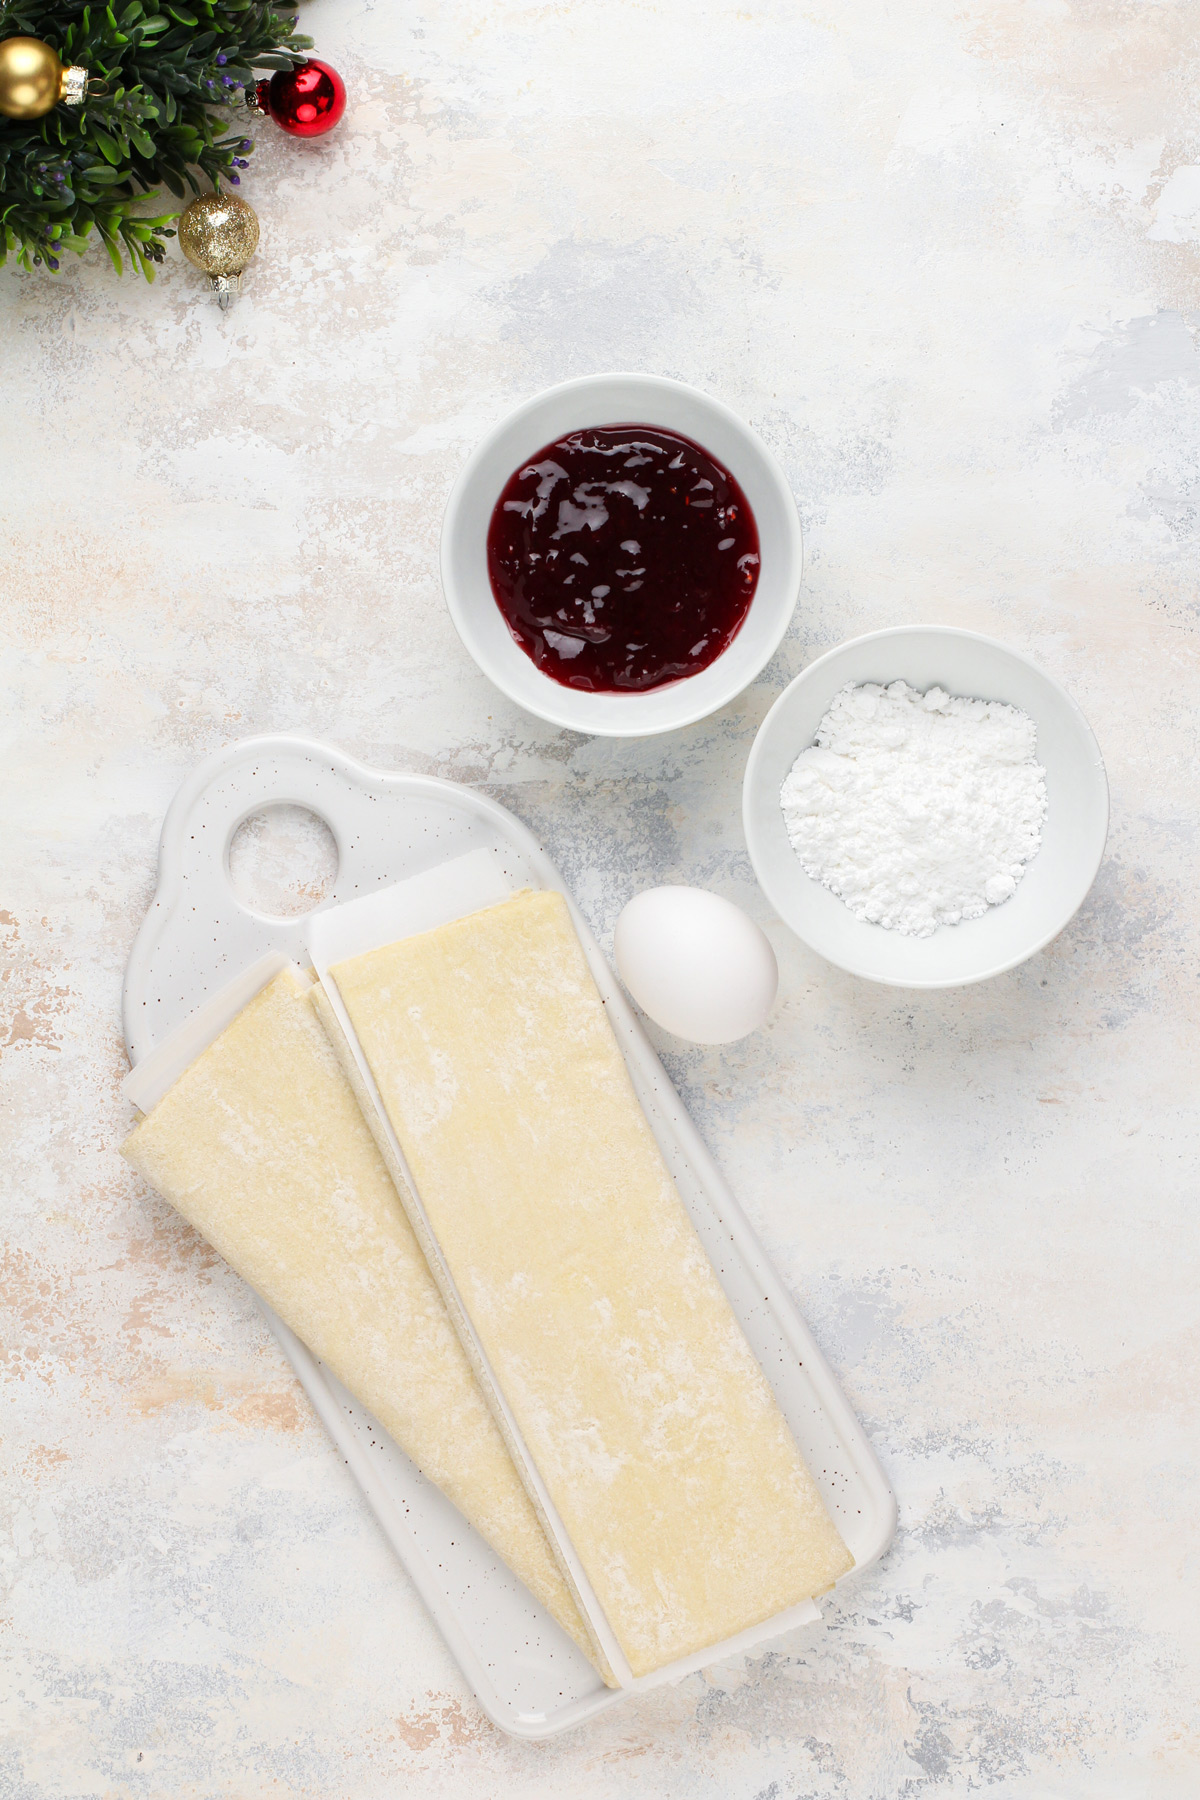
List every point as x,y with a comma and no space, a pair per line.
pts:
944,259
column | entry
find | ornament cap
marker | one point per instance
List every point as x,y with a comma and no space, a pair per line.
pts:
74,85
227,288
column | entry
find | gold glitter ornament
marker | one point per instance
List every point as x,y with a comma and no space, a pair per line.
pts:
33,79
219,234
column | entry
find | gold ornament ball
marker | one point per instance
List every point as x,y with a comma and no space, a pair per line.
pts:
219,234
33,80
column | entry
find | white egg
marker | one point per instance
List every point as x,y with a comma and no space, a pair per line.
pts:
696,964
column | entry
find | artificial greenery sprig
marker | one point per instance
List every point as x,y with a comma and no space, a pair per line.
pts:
161,74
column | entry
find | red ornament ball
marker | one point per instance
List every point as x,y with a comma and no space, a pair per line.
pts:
305,101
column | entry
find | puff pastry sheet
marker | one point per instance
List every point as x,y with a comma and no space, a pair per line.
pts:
635,1393
261,1145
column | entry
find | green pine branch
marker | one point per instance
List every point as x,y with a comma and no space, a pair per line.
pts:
171,71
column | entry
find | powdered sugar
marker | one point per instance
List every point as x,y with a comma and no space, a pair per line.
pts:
918,810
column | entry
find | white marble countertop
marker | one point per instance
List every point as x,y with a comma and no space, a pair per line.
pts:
943,257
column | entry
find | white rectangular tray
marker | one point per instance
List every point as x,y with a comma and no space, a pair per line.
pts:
199,940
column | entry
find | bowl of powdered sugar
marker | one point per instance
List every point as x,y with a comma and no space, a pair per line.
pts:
925,807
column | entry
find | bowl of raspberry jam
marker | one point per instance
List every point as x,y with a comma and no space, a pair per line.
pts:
622,555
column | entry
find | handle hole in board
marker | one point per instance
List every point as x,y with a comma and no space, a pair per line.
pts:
283,861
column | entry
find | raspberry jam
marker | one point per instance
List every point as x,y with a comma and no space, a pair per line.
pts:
623,557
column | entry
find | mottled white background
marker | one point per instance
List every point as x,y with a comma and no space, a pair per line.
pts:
943,255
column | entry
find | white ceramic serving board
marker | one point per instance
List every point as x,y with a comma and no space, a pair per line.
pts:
198,937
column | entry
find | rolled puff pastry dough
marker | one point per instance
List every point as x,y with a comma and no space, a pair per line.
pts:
636,1395
261,1146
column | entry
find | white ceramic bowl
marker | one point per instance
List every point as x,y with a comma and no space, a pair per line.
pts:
1055,882
620,400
